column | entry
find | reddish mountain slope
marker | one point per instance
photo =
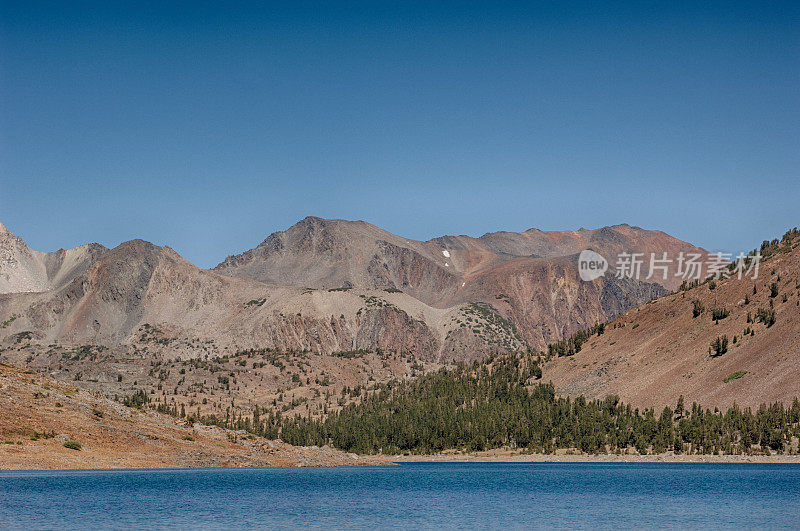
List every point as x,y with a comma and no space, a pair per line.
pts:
38,415
653,354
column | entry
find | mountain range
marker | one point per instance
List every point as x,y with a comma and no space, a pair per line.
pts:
329,286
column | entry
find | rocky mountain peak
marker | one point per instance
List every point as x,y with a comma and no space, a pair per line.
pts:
23,270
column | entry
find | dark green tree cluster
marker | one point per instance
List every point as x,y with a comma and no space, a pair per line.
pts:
766,316
719,313
784,245
498,404
138,399
719,346
572,345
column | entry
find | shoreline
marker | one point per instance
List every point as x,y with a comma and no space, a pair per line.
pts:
507,456
385,460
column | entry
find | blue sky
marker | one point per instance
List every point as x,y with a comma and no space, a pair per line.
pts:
208,127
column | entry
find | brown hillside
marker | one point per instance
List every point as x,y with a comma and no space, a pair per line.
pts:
38,415
653,354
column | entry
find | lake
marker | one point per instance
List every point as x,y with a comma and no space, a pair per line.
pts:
414,495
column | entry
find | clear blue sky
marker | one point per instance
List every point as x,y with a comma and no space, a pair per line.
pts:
206,128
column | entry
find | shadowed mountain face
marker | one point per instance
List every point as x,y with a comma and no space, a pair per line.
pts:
327,286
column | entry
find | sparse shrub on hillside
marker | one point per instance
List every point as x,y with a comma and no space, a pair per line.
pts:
697,308
734,376
719,313
784,245
22,336
766,316
687,285
351,354
138,399
72,445
712,285
719,346
773,290
35,436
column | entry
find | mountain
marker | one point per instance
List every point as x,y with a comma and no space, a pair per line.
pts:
23,270
327,286
654,353
325,254
530,277
138,283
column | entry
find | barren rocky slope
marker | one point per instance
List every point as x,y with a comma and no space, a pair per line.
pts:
652,354
39,415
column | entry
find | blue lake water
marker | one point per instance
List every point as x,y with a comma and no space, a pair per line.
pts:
419,495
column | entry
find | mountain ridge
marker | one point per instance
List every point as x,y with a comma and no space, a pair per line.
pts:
25,270
329,285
